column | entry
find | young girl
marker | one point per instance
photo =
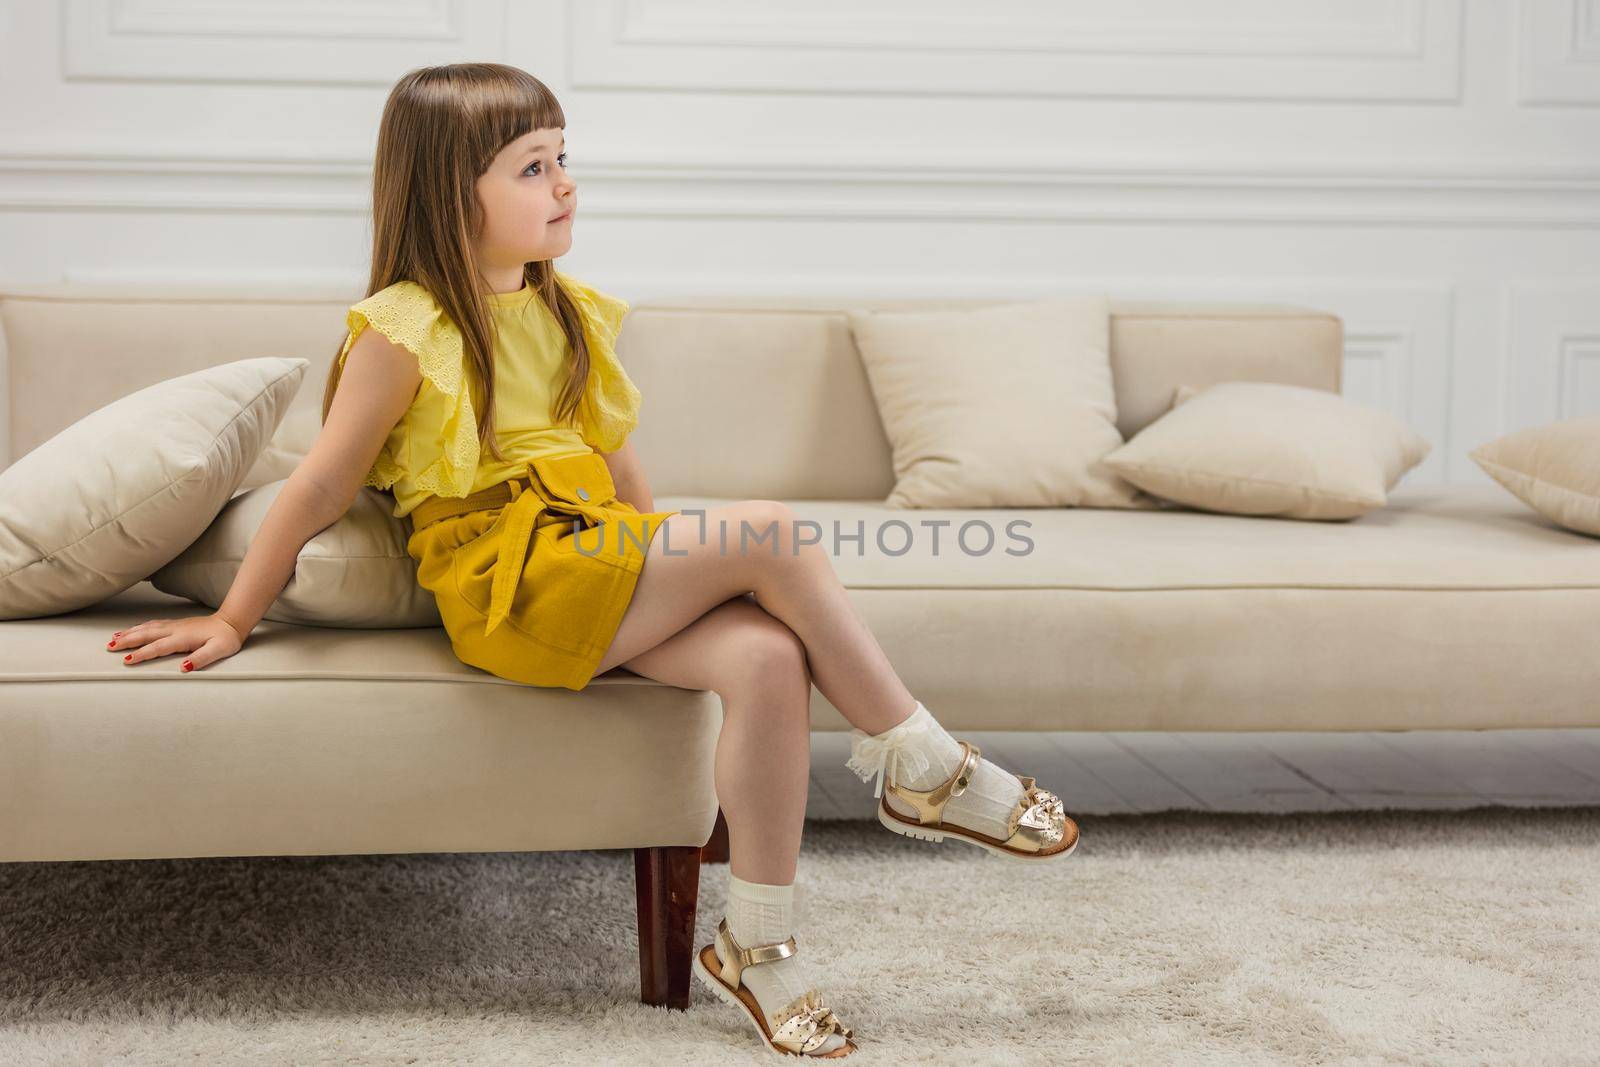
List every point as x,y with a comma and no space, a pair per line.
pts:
481,386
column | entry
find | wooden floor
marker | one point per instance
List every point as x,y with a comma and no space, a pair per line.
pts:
1104,773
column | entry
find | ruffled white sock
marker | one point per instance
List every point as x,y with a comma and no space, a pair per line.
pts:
919,753
759,913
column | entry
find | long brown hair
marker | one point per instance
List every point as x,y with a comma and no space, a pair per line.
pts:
441,128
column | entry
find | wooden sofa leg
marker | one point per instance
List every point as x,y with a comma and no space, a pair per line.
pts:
667,887
716,849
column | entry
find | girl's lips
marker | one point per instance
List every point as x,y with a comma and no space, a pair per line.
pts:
563,218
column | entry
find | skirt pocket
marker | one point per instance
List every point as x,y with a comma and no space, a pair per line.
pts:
567,605
564,599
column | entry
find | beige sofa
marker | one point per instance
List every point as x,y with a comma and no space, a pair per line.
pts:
1449,608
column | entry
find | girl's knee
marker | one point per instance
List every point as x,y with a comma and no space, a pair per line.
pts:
768,532
764,657
763,512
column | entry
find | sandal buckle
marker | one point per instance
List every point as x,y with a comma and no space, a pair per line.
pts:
969,767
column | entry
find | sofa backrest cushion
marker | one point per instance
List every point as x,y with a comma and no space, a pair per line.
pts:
743,396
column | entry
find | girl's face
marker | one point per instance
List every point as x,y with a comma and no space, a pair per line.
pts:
528,202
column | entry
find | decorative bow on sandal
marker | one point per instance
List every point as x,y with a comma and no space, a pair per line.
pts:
806,1023
1041,812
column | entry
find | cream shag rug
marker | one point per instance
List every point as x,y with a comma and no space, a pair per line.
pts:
1415,937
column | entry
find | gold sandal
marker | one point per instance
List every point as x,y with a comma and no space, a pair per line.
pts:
804,1024
1038,826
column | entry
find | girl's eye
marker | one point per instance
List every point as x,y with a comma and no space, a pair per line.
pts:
562,158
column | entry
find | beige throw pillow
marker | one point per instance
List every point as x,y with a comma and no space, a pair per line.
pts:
301,425
1009,405
1554,469
1266,448
117,494
355,573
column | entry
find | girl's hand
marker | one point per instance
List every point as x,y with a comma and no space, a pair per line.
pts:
209,637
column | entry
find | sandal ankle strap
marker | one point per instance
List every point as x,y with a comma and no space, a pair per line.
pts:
740,957
929,805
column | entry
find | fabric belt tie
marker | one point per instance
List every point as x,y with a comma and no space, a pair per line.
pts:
521,501
520,517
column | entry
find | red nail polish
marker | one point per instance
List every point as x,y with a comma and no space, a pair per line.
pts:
111,644
128,656
188,666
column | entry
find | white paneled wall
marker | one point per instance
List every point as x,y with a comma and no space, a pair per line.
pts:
1429,170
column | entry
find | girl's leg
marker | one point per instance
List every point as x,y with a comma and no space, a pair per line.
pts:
757,666
755,546
800,589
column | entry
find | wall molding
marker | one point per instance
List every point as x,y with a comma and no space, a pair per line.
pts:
172,180
1401,51
1558,53
1552,353
1580,374
335,42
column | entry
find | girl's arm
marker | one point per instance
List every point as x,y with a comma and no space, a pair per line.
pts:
379,381
627,474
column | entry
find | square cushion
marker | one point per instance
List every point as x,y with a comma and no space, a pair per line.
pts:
1009,405
1265,448
354,573
1554,469
96,508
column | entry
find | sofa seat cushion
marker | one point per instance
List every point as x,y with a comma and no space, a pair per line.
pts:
1450,607
1449,537
327,741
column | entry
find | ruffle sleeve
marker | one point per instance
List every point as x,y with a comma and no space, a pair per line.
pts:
436,444
609,411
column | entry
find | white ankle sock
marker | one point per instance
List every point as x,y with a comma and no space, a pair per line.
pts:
759,913
919,753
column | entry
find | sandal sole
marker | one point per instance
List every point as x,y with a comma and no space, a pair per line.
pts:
705,959
920,832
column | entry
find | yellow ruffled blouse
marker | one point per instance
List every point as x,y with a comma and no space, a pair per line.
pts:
434,448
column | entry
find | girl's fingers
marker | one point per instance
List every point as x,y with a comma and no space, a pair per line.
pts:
162,647
130,637
203,656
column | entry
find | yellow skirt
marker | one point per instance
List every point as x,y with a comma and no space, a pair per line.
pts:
532,576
